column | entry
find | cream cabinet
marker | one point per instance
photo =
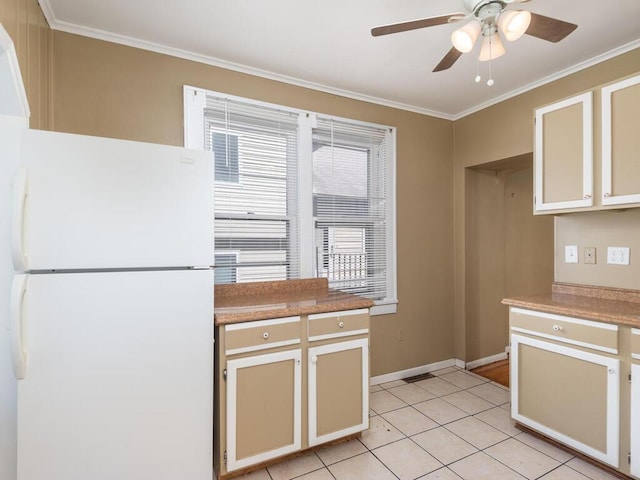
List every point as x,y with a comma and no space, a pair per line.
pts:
565,381
338,398
563,160
570,173
263,407
263,391
634,458
621,142
286,384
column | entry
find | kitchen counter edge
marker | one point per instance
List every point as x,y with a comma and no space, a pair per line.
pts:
609,305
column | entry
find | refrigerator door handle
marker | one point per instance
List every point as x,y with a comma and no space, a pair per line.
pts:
18,351
20,192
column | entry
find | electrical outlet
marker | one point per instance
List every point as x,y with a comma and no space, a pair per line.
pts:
571,254
590,255
618,255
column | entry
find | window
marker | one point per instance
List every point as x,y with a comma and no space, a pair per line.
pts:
298,194
349,206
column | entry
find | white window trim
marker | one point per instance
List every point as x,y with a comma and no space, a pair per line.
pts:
194,137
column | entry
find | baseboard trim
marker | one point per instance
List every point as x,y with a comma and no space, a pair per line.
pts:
486,360
410,372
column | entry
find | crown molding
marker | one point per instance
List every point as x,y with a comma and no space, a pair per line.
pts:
551,78
216,62
47,11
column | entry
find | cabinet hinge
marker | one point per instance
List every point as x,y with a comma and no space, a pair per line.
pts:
629,377
225,457
224,373
629,457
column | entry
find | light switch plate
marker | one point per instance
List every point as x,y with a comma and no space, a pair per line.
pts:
618,255
590,255
571,254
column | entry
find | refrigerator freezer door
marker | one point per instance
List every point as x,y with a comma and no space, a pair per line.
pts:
119,382
99,203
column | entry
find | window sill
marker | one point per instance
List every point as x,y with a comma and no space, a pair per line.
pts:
384,309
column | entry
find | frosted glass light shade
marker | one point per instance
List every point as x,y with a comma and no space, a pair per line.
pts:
465,37
514,23
491,48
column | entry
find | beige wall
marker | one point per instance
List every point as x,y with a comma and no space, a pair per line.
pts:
503,131
24,22
528,241
111,90
599,230
485,260
508,251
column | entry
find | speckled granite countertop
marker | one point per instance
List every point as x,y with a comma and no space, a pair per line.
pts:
245,302
611,305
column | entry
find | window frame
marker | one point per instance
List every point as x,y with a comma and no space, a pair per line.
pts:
194,137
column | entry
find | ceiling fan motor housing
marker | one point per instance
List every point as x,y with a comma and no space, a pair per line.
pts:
474,6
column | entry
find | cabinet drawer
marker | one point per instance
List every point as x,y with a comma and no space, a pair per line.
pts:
323,326
586,333
262,334
635,343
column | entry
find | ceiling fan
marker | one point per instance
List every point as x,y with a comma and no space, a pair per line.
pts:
488,17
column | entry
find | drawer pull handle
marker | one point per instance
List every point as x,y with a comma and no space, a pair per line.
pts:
265,335
341,324
557,328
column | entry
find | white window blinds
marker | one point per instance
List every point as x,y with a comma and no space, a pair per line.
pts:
298,194
256,158
350,207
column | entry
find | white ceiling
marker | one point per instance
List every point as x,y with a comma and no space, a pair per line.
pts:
328,46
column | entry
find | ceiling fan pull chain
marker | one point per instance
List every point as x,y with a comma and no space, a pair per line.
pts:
490,81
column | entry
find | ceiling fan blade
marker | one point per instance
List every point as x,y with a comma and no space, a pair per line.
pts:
448,60
550,29
415,24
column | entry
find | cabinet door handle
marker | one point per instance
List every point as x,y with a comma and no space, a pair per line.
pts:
587,196
557,328
265,335
341,324
606,195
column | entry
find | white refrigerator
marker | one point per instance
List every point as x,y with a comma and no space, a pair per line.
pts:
111,308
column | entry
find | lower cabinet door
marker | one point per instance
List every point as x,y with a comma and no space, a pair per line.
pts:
263,407
635,420
567,394
338,390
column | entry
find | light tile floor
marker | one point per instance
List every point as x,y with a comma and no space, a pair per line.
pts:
452,427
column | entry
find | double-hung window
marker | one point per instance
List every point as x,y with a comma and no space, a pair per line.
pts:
298,194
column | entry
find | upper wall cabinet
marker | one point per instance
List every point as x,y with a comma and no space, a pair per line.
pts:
564,154
621,142
564,159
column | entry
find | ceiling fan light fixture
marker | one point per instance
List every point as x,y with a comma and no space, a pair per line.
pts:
492,48
464,38
514,23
